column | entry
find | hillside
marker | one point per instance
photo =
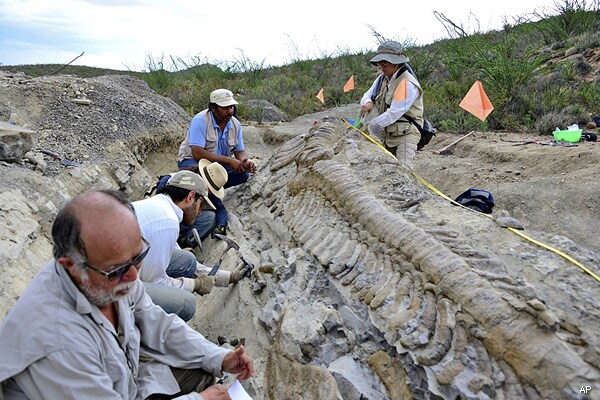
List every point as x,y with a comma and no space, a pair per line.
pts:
539,71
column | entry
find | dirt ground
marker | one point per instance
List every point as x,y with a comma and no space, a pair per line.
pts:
547,187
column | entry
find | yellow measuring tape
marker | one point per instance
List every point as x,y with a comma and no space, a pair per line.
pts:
436,191
370,138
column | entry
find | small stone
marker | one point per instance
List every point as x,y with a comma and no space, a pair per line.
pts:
537,304
509,222
83,102
549,320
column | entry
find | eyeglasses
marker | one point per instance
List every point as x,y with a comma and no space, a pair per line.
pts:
118,271
383,64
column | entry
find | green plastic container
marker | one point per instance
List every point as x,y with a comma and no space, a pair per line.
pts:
567,136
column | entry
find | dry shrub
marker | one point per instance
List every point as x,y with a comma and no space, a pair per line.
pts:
547,123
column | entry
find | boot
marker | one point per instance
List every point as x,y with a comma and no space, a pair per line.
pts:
191,241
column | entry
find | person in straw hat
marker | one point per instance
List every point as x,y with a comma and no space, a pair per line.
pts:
215,177
215,134
400,136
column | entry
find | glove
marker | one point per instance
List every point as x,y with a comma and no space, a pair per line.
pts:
238,273
203,284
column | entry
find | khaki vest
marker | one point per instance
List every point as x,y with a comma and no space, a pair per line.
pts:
185,150
402,127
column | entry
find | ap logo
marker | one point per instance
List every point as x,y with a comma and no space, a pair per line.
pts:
585,389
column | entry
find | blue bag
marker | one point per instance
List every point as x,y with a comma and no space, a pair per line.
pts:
477,199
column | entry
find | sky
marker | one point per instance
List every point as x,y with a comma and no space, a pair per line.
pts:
124,35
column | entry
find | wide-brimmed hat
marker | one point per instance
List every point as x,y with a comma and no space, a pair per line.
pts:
215,176
223,98
390,51
191,181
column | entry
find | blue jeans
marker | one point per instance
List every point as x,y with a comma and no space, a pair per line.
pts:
171,299
204,224
233,179
182,264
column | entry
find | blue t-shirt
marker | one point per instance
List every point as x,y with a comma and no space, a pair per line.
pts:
197,134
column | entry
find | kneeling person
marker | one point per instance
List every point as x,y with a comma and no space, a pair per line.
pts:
168,272
215,177
215,134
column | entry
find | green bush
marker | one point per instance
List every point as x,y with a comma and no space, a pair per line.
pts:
567,18
525,79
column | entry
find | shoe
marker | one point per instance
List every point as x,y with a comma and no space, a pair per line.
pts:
221,230
191,241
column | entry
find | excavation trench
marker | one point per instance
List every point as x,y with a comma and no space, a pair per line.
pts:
353,276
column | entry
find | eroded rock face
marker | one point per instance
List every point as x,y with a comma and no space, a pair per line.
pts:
459,305
15,141
376,288
109,138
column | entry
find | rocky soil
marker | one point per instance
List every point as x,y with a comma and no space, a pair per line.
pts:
377,287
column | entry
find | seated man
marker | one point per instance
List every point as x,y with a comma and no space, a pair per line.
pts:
79,328
216,135
169,272
215,177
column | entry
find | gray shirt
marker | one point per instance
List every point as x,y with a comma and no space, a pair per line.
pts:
55,344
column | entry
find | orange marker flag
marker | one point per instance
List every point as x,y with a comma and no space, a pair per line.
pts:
400,92
476,102
349,85
320,96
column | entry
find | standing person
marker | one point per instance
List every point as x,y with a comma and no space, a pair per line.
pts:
79,328
169,272
216,135
400,136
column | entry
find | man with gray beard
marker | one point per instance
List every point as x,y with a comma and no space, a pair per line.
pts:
79,328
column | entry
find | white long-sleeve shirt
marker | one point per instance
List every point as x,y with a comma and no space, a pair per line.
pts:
397,108
159,218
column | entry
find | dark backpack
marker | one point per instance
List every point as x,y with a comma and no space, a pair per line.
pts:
158,186
477,199
427,131
588,137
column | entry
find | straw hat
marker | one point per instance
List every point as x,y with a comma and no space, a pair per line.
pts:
215,176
